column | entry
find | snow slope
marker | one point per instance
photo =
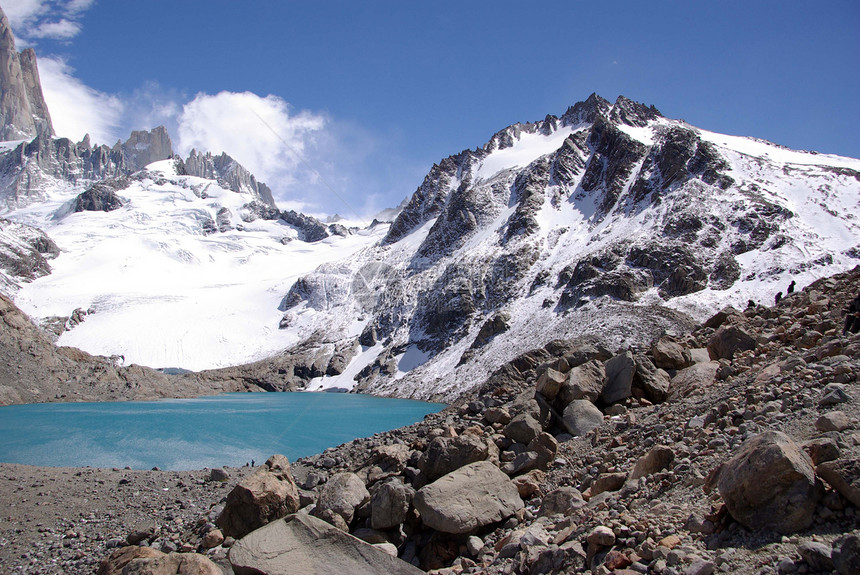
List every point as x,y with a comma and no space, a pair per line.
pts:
162,292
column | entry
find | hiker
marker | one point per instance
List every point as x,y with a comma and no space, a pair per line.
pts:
750,304
791,287
778,297
852,316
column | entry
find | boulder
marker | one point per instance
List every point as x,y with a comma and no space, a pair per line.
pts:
522,428
619,378
584,353
113,564
719,318
469,498
583,382
385,461
581,416
653,383
833,421
171,564
669,354
497,415
549,383
446,454
844,476
564,500
607,482
341,496
822,449
846,554
528,485
304,544
816,555
728,340
265,496
693,380
546,448
786,501
390,504
658,458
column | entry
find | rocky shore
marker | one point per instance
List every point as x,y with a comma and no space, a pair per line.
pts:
733,449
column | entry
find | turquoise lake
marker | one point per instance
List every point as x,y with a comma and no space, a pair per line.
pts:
182,434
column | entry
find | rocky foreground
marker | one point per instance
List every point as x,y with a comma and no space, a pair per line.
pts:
733,449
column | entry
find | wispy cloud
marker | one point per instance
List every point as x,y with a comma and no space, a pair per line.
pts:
49,19
77,109
262,133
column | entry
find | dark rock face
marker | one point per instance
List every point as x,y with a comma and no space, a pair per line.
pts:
310,229
24,253
102,197
615,157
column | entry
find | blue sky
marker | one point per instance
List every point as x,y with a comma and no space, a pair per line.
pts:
371,94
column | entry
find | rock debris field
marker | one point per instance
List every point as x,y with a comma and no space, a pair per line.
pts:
732,449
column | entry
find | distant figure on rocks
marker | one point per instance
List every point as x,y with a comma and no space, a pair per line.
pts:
790,287
852,316
778,297
750,304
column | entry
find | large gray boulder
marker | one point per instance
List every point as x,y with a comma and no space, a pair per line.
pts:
446,454
729,340
172,564
844,476
265,496
469,498
669,354
693,380
522,428
390,504
304,545
549,383
619,378
581,416
583,382
652,382
770,484
341,496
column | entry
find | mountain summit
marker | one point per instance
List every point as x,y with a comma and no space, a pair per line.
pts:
23,111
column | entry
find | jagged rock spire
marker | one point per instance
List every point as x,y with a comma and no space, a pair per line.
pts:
23,111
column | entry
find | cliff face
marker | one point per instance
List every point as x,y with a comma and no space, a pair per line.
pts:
23,111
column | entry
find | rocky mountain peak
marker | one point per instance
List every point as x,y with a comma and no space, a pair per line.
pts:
626,111
229,173
23,111
144,147
586,112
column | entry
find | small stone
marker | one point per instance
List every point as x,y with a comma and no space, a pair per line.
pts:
474,544
700,567
833,421
602,536
213,539
218,474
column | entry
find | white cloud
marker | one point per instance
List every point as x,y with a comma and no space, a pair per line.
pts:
50,19
260,133
60,30
76,109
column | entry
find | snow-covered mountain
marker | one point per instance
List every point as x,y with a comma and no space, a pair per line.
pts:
608,222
